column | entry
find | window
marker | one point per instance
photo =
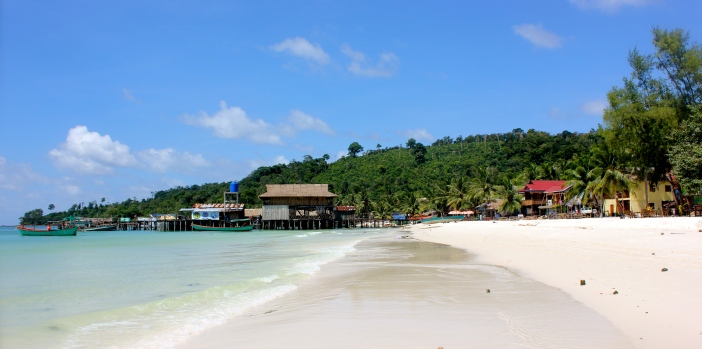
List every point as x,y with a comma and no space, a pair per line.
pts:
668,188
652,187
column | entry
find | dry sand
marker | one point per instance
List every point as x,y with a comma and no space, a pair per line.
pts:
654,308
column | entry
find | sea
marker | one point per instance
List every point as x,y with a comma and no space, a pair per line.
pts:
146,289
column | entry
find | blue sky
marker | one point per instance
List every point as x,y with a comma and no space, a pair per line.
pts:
119,99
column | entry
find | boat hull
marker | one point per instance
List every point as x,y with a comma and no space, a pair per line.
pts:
110,227
58,232
441,219
225,229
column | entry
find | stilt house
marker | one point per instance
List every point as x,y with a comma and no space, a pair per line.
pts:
298,206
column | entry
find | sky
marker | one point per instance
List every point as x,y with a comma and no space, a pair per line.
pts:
119,99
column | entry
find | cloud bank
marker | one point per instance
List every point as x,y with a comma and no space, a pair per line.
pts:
234,123
91,153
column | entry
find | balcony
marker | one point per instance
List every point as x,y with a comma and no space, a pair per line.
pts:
532,202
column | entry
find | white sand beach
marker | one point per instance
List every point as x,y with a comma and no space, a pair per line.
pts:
426,286
654,308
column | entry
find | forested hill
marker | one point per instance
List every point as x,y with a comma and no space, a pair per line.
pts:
393,176
389,172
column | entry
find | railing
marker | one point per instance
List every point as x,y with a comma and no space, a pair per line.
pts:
532,202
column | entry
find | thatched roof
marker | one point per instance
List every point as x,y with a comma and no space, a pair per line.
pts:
297,190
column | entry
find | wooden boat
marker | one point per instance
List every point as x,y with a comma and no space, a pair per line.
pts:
47,232
106,227
445,219
236,225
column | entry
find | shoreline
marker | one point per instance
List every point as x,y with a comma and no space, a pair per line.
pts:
652,307
393,292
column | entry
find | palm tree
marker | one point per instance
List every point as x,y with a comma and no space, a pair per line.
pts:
482,186
578,180
382,208
609,179
362,202
508,192
511,200
532,171
435,197
410,203
458,197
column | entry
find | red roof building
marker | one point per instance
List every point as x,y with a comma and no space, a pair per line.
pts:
542,195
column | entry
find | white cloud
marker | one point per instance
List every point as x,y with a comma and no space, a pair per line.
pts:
233,123
94,154
280,159
418,134
355,56
169,159
300,47
18,176
610,6
71,189
538,36
128,95
386,66
342,154
595,107
557,114
301,121
91,153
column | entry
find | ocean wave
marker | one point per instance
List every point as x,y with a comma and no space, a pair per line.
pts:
167,322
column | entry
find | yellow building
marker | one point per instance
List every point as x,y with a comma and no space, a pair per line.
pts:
660,199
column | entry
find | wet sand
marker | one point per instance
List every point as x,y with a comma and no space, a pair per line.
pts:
405,293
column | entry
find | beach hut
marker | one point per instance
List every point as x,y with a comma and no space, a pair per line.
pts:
297,206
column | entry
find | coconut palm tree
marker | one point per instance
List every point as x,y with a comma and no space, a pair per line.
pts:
578,180
362,202
410,203
482,186
435,198
458,196
382,208
609,179
508,192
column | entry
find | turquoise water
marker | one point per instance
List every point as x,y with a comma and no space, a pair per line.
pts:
149,289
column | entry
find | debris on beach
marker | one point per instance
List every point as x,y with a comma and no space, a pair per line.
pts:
664,269
487,290
582,282
615,292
